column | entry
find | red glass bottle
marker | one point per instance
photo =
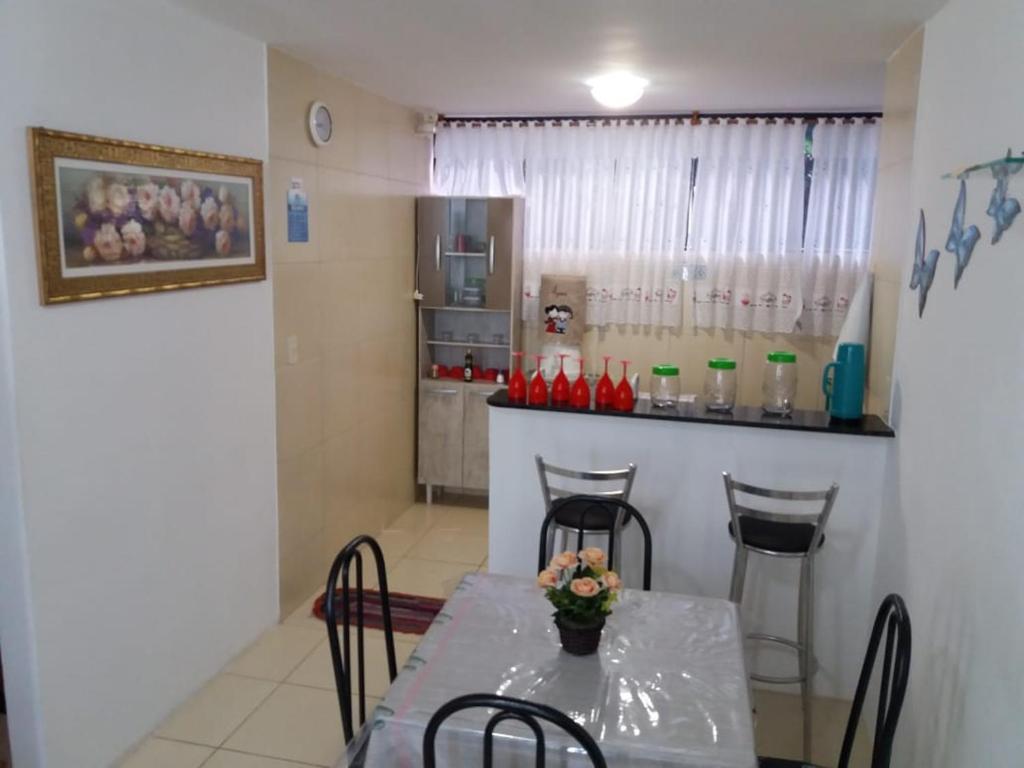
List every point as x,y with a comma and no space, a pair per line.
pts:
517,384
538,387
560,385
604,393
624,392
579,397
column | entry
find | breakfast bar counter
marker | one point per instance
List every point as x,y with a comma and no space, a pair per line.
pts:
680,453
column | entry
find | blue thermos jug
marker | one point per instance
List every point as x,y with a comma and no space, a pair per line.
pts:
844,389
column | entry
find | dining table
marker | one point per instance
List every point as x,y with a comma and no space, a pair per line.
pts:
667,687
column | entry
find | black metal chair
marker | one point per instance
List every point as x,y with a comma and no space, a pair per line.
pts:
894,621
341,650
587,510
527,712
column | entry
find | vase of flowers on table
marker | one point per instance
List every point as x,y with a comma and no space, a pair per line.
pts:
582,590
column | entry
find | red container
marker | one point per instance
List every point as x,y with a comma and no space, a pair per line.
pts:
491,374
579,396
604,392
538,387
624,393
517,383
442,371
560,386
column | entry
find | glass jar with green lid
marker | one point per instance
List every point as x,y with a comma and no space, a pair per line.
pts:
778,387
720,384
664,385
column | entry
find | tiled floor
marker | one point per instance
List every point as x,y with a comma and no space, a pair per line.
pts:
275,707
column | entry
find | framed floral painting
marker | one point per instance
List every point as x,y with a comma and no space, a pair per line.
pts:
118,217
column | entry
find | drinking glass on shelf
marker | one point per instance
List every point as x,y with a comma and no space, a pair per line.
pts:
579,397
538,387
517,383
473,338
624,400
499,338
604,393
447,336
560,385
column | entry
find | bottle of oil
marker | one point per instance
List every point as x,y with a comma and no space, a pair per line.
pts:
467,369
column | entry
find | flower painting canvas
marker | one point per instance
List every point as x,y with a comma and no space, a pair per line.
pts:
119,218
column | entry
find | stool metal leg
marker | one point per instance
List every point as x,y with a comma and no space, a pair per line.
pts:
739,573
805,631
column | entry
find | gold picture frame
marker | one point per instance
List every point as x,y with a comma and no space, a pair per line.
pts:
117,218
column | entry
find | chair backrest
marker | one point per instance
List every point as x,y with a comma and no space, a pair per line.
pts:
614,483
527,712
341,656
606,507
894,620
817,516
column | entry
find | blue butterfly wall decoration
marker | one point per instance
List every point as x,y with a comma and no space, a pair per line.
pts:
924,268
961,241
1001,208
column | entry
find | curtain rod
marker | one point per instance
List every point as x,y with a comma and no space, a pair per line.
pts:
692,117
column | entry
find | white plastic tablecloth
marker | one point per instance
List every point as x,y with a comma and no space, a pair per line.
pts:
668,686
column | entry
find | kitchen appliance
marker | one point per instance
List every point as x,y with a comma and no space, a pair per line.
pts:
844,388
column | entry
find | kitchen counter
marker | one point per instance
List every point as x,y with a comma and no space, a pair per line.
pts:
868,425
680,455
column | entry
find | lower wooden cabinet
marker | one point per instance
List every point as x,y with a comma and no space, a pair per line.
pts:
453,433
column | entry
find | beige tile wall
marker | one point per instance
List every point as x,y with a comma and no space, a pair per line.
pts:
691,348
895,223
345,404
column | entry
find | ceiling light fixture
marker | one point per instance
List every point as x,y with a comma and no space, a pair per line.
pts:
617,90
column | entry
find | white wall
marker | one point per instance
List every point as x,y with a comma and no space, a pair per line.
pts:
953,540
144,425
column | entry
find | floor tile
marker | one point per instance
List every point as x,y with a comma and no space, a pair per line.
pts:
451,546
426,577
278,651
465,519
214,712
318,672
779,729
418,517
303,615
224,758
396,543
294,723
163,753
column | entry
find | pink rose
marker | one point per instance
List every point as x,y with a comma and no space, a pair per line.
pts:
227,217
118,198
222,242
547,578
146,198
134,238
191,194
223,195
97,195
108,243
209,211
563,560
612,581
592,557
170,205
585,587
187,219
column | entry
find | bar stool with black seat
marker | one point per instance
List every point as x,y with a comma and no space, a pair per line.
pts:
789,535
519,710
610,483
590,514
894,620
341,656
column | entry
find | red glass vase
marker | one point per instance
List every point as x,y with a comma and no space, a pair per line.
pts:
560,385
538,387
624,392
517,383
579,397
604,392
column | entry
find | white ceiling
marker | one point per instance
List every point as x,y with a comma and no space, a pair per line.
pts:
515,57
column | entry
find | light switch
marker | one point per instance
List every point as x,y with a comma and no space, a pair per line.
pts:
292,345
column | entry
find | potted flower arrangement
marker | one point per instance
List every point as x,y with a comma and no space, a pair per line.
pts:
582,589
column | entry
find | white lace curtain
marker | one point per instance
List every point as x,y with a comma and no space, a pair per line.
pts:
612,202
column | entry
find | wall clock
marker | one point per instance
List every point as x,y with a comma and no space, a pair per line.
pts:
321,124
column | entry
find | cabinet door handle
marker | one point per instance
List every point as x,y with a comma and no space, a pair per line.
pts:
437,253
490,256
478,393
441,391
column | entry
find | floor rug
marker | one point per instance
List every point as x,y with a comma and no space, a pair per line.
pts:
409,613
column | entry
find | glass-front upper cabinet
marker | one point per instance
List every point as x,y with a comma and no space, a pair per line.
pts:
464,252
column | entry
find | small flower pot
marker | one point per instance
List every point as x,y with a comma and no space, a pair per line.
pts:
577,639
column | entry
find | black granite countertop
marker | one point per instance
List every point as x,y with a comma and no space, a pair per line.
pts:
741,416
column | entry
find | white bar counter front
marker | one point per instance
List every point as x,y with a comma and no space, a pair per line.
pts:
680,455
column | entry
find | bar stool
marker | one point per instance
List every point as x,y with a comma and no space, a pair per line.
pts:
782,534
611,483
